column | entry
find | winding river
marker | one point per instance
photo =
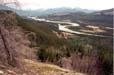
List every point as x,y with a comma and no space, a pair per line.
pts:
65,27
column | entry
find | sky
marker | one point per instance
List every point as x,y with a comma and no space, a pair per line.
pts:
84,4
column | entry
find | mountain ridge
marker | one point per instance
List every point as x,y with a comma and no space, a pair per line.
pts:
56,10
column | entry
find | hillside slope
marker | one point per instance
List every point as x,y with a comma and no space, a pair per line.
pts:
17,54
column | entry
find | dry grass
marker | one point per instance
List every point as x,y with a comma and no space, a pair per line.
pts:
94,29
47,69
37,66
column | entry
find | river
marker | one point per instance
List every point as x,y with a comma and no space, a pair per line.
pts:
65,27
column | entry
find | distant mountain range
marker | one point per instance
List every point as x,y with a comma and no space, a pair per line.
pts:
57,11
40,12
2,7
108,12
54,11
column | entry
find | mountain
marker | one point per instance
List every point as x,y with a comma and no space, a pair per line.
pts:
104,17
53,11
3,7
41,12
105,12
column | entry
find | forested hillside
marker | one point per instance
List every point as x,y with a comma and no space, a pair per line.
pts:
30,47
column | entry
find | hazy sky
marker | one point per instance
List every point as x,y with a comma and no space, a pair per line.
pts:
85,4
